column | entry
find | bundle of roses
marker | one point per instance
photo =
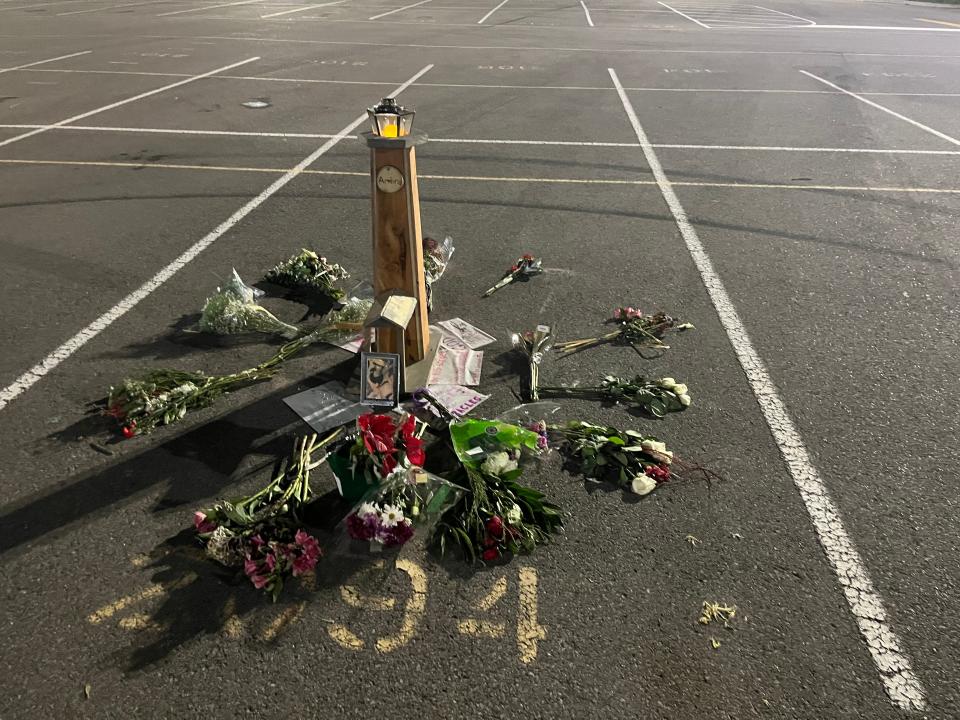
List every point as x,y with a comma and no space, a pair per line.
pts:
656,397
385,442
633,328
629,459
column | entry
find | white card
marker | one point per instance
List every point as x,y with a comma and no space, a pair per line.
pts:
472,336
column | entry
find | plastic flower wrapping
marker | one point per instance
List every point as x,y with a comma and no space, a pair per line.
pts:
309,271
524,268
655,397
408,499
233,310
436,257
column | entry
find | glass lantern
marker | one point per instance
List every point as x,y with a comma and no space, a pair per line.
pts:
390,120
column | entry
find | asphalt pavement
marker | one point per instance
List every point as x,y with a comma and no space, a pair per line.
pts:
784,177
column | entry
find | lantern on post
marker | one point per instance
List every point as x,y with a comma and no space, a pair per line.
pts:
397,239
389,120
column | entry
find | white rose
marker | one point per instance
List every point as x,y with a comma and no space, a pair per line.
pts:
514,515
685,400
680,389
496,463
648,445
667,383
660,447
643,485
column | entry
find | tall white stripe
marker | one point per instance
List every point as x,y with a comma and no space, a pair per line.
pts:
587,13
34,374
41,62
209,7
887,110
483,19
111,106
396,10
865,603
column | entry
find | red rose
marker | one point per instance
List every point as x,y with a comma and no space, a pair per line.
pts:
514,268
129,431
495,526
490,555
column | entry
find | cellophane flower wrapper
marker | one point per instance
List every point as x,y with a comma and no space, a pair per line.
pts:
436,257
409,500
233,310
484,443
344,323
309,271
534,344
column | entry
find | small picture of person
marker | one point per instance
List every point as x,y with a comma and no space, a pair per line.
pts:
380,379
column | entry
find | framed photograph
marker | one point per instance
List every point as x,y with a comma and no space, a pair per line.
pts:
379,379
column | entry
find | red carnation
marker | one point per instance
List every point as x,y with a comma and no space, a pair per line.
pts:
378,432
495,526
490,555
415,453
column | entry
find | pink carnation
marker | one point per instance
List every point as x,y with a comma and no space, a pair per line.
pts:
303,564
201,523
259,581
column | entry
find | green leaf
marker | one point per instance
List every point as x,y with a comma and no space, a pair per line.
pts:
615,440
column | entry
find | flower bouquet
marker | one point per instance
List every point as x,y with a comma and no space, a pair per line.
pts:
259,531
526,267
657,397
164,396
382,443
309,271
533,345
408,498
626,458
497,516
233,310
436,257
633,328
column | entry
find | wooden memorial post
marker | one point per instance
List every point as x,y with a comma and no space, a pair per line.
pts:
397,239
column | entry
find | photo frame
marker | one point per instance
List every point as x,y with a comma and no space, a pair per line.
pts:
380,379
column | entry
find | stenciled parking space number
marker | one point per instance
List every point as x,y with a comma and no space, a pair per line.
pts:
528,629
484,623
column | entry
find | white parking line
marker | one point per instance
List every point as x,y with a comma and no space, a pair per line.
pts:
887,110
396,10
209,7
684,15
48,60
111,106
110,7
297,10
796,17
36,373
496,86
865,603
587,13
483,19
493,178
492,141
